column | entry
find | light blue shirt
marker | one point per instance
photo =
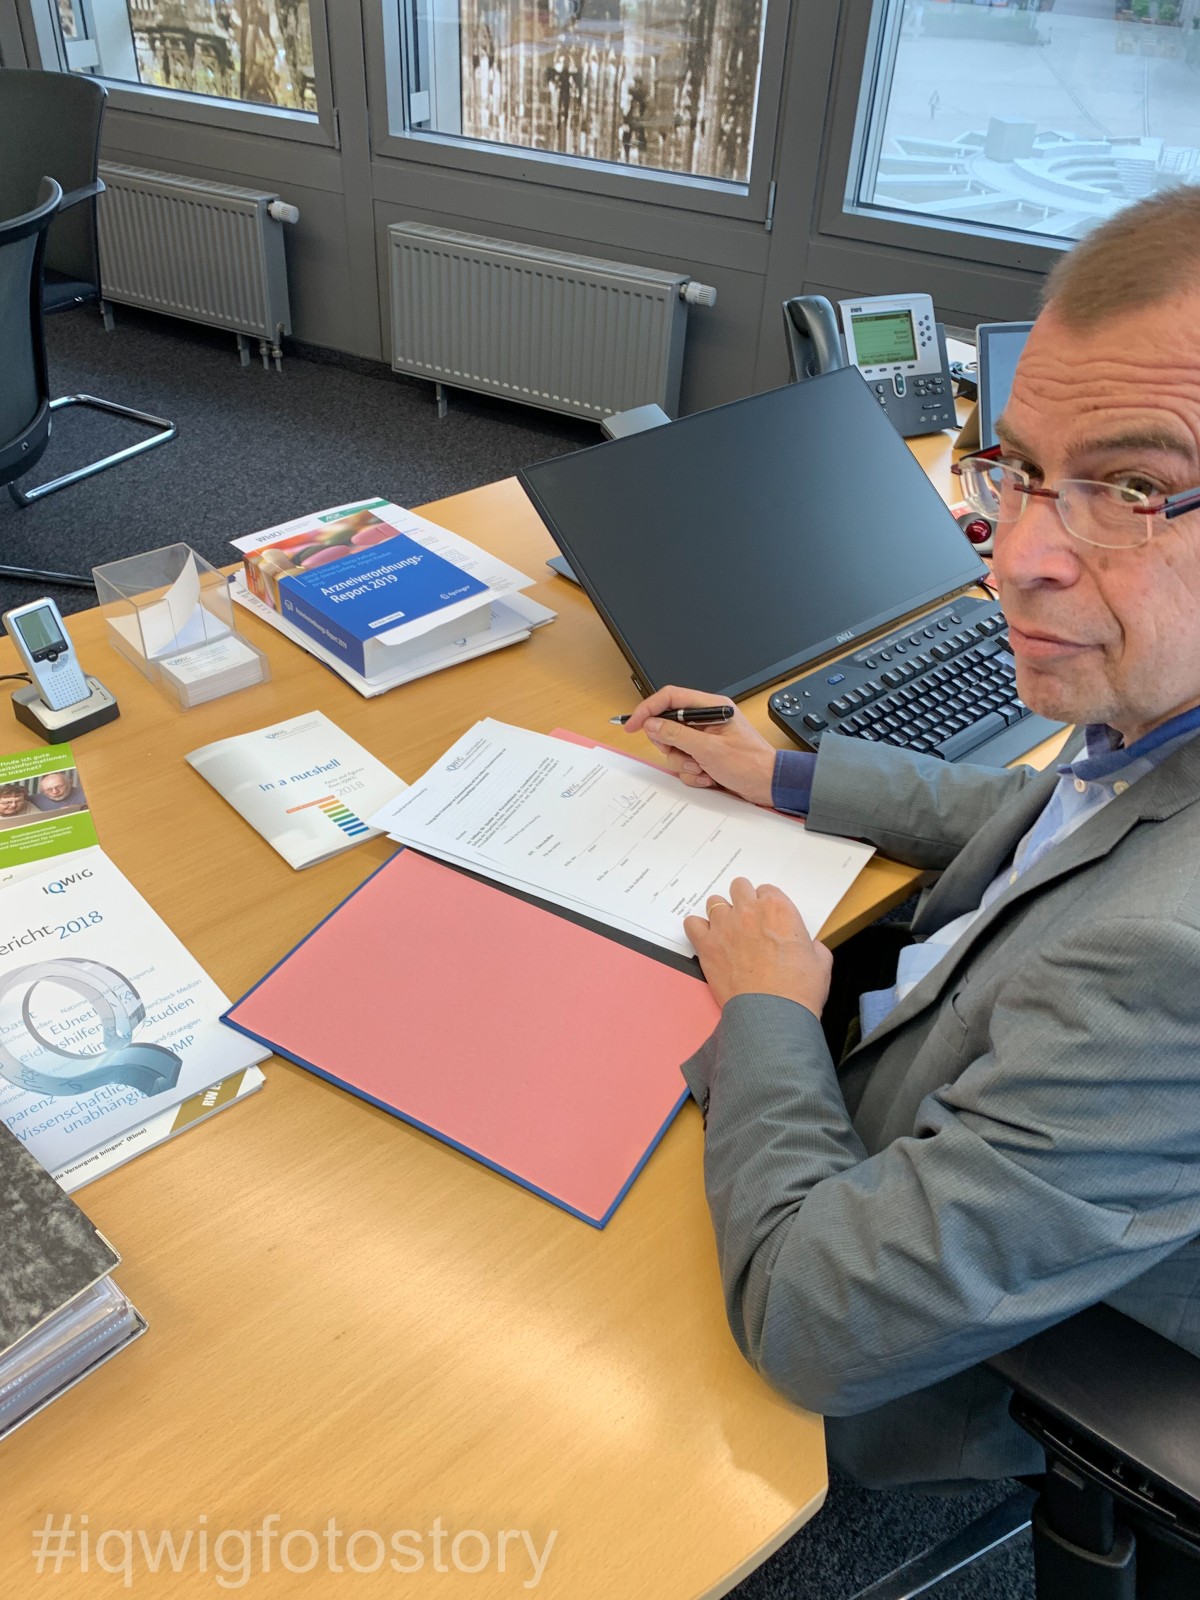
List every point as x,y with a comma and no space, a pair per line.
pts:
1085,786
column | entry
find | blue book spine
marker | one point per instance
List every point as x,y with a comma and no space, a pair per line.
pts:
346,602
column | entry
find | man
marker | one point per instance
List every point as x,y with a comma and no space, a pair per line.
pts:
1017,1136
16,808
57,792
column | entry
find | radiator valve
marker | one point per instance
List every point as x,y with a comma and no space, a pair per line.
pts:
698,294
282,212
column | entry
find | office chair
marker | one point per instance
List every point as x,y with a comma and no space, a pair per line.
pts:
50,123
24,388
1117,1409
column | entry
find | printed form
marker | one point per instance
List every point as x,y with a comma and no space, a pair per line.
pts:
608,835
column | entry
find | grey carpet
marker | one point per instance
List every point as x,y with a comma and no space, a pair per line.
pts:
255,448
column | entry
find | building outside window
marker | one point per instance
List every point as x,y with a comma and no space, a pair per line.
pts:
668,85
1025,118
259,52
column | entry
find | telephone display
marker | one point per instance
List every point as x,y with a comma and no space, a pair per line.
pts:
884,337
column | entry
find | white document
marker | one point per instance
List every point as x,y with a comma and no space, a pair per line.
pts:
511,621
106,1020
624,841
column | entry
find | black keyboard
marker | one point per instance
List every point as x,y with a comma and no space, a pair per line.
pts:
943,684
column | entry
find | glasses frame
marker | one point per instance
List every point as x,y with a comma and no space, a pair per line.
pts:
1172,506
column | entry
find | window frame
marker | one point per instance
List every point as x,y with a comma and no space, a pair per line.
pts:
273,122
841,215
386,37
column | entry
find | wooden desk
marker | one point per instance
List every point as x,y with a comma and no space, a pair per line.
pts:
348,1319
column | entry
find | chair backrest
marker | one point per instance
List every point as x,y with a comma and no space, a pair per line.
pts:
50,126
24,385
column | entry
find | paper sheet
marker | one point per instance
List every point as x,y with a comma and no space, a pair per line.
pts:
616,838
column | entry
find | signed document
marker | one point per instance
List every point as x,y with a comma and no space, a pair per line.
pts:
610,836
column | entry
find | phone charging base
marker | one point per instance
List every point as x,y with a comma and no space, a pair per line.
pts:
56,727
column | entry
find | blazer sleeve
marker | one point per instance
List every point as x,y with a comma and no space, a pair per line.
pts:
914,808
1056,1168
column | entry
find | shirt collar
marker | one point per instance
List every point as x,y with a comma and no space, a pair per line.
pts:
1105,756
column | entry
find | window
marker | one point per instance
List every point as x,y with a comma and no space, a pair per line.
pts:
666,85
1027,119
258,52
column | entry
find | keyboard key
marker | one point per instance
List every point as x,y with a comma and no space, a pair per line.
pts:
839,707
838,677
812,720
892,678
941,652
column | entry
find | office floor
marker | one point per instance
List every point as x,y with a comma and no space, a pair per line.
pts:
258,447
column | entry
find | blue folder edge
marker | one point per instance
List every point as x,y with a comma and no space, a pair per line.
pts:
227,1017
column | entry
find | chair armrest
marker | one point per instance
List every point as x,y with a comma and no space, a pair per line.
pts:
87,192
1104,1390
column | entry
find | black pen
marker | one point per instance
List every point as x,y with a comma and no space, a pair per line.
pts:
690,716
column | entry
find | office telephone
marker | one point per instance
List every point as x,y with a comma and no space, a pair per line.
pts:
895,343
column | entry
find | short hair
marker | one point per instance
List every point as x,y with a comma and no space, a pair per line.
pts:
1147,252
9,789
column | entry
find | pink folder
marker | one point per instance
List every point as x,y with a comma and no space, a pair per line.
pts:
548,1051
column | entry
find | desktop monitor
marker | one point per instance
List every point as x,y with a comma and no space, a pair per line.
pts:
998,347
739,544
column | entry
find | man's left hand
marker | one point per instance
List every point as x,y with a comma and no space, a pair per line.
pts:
756,943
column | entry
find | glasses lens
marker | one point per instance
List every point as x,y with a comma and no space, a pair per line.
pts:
1104,514
997,491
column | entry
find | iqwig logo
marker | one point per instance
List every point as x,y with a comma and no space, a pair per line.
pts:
61,885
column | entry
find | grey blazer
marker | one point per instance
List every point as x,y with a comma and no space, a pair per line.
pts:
1019,1139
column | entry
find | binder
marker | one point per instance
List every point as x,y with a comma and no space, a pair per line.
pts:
519,1035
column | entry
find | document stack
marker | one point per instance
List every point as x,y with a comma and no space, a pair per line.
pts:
382,596
61,1316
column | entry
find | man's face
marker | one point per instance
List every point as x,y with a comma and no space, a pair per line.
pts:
1105,635
11,805
55,786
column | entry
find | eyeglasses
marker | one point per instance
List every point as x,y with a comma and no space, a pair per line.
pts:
1114,516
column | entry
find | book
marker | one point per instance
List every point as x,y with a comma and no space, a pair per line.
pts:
303,784
513,619
532,1041
359,583
106,1020
59,1314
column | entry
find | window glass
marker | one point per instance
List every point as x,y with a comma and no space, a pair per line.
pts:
1039,118
665,84
257,51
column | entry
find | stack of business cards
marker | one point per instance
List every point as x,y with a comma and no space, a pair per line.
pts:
211,670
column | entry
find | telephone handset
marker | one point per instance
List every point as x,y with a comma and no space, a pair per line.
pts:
894,342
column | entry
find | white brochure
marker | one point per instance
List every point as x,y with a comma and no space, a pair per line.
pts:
105,1018
621,840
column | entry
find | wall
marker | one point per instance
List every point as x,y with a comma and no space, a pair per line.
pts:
347,197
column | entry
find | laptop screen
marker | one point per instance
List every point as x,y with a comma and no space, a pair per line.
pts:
739,544
998,347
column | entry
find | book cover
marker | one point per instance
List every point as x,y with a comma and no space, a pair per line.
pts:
355,579
303,784
51,1253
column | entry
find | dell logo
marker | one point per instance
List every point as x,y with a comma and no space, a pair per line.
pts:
842,637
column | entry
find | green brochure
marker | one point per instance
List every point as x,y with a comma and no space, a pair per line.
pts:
43,809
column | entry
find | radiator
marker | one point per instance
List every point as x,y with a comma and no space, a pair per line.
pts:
584,337
204,251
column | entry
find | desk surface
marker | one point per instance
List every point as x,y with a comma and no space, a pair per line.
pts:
350,1320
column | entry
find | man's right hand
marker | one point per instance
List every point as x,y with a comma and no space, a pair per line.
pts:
729,755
